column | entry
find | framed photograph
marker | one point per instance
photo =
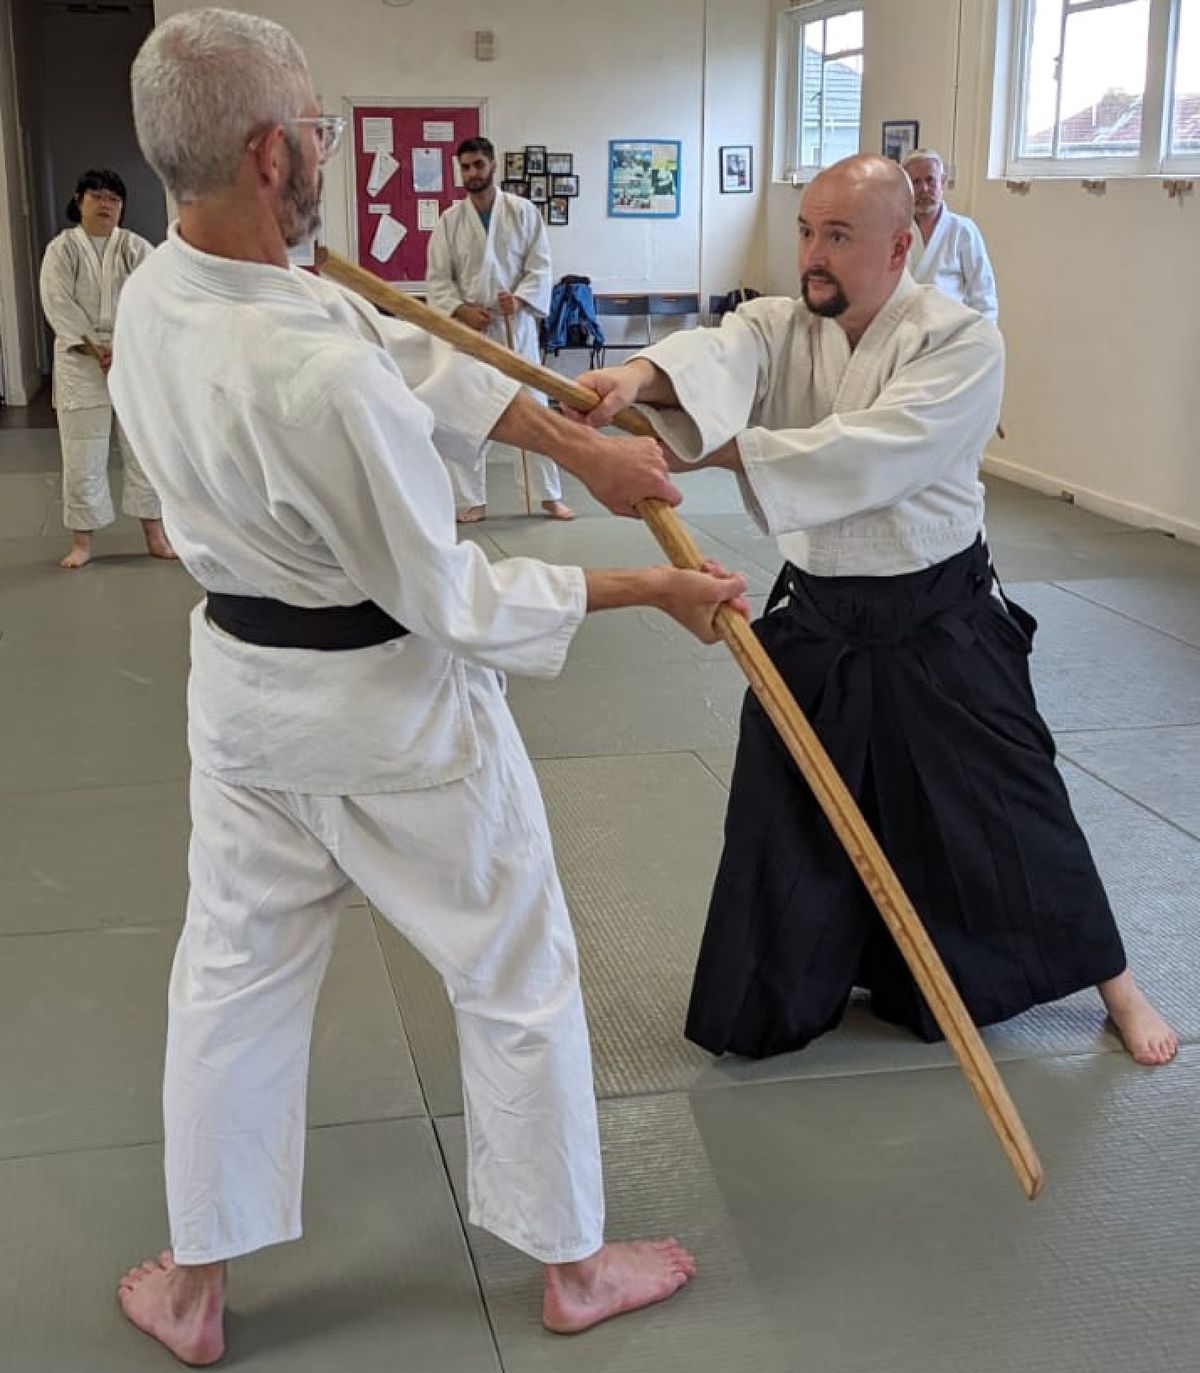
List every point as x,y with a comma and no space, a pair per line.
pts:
560,164
514,166
558,210
564,185
900,137
520,188
737,169
535,160
539,189
643,178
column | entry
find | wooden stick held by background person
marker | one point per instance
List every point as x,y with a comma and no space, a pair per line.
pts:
508,333
806,749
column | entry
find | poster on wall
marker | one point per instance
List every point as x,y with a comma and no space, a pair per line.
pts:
643,178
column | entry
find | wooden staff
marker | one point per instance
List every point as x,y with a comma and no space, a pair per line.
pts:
806,749
508,334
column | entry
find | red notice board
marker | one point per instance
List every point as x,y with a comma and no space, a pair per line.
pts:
422,140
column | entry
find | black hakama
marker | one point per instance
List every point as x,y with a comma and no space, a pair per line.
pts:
918,686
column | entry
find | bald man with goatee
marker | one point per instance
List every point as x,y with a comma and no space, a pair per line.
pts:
855,419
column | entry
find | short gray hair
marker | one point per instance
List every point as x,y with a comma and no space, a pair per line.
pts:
204,83
925,155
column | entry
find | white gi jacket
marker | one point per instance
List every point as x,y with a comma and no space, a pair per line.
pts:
298,462
467,267
863,462
956,262
79,292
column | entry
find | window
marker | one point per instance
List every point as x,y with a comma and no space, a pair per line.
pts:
1106,88
820,63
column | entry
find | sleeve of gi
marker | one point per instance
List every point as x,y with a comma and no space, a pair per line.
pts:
379,498
443,292
979,282
64,314
718,375
536,284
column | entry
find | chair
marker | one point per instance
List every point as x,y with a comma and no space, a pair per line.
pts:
622,307
676,305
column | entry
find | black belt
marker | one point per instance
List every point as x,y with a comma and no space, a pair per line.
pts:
275,624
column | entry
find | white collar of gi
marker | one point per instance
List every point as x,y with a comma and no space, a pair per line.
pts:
233,278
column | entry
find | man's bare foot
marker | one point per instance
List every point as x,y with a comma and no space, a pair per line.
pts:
472,515
1145,1034
557,510
157,543
180,1307
80,553
616,1279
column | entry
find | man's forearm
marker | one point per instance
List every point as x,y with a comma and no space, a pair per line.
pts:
526,424
617,588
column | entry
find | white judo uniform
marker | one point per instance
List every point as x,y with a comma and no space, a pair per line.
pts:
468,265
955,260
862,462
290,431
80,285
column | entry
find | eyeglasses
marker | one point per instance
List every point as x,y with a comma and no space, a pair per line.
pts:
328,129
104,197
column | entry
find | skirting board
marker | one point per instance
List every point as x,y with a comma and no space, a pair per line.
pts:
1095,501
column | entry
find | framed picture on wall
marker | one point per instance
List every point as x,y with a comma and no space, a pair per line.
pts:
564,185
514,166
558,210
539,189
900,137
560,164
737,169
535,160
520,188
643,178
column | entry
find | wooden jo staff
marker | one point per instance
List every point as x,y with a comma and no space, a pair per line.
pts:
806,749
508,334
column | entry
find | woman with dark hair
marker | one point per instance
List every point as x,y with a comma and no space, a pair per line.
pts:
82,275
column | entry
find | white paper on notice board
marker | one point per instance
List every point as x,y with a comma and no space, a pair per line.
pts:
427,214
427,171
383,169
379,209
388,237
377,134
438,131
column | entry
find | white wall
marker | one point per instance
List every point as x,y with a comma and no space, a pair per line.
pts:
1099,297
571,74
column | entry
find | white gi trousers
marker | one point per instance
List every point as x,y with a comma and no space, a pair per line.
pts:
470,483
88,438
466,872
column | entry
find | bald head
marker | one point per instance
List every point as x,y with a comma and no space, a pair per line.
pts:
855,232
874,189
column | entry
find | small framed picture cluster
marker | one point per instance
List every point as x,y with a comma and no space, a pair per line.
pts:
548,179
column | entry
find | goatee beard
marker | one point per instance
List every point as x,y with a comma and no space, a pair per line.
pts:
835,305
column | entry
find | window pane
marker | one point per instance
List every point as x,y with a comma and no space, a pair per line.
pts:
1185,122
831,95
1041,81
845,32
1103,81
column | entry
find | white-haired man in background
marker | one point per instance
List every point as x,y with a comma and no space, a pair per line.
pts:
948,249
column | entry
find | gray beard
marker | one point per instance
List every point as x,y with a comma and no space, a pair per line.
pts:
303,202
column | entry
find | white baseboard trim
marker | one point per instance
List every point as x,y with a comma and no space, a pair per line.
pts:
1096,501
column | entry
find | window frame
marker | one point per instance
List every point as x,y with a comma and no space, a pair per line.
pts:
789,124
1154,157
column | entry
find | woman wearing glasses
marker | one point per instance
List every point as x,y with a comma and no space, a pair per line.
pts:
82,275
